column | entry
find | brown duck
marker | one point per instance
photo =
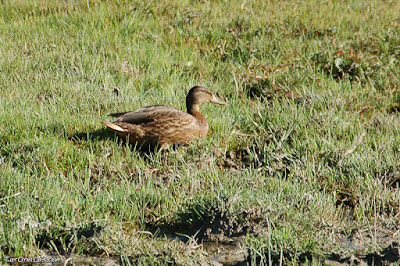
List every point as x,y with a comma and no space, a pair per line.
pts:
161,126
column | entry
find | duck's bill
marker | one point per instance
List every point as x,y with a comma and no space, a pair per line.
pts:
214,99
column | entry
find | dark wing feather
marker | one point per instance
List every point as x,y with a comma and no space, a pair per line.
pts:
117,114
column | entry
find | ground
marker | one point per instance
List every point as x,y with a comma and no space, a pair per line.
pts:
301,167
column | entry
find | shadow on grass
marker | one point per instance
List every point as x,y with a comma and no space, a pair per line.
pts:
97,135
63,240
106,134
208,220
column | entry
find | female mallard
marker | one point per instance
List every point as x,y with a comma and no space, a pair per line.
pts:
159,125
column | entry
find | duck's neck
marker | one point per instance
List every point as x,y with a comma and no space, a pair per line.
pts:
194,110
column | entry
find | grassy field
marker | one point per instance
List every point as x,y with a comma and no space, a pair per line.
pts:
303,166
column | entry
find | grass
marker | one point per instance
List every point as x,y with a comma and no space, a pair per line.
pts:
302,164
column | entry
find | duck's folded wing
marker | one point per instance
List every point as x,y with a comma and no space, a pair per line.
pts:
149,114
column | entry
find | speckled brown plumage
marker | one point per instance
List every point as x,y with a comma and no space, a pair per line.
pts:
162,126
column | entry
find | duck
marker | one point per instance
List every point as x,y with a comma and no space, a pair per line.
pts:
159,126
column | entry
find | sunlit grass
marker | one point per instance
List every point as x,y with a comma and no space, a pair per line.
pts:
306,153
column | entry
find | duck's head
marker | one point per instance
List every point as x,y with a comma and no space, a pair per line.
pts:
198,95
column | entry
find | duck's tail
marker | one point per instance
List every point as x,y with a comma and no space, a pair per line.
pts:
113,126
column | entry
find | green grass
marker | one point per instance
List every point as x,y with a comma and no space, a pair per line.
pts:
305,157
